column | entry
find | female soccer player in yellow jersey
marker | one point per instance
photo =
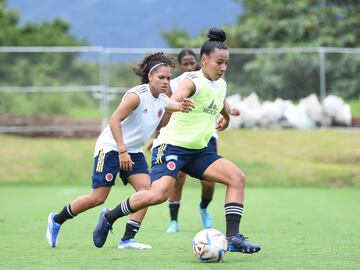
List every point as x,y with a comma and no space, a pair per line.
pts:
187,63
183,147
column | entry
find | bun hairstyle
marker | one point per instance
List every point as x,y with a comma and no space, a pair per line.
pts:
216,34
151,63
216,39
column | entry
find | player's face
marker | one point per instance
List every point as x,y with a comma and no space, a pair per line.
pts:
159,80
188,63
215,63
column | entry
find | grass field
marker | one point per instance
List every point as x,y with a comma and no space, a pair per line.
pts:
298,228
294,207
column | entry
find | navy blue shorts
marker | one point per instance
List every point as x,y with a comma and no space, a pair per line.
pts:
168,159
106,167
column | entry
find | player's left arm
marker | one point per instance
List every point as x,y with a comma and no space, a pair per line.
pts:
224,120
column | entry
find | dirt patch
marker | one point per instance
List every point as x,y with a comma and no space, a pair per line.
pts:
48,126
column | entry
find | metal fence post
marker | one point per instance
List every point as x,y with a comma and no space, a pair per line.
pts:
322,71
104,85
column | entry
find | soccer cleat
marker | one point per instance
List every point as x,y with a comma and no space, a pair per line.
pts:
173,228
52,231
205,218
239,243
133,244
102,229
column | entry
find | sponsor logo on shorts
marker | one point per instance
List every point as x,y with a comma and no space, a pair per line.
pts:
171,157
171,165
109,177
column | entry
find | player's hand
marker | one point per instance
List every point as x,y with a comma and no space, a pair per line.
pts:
221,123
186,105
125,161
234,112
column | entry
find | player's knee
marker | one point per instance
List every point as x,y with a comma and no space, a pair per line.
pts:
159,198
98,200
238,179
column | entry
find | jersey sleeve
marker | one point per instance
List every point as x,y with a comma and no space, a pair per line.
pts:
139,91
194,77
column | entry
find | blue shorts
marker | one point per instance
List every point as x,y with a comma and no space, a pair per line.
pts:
106,167
168,160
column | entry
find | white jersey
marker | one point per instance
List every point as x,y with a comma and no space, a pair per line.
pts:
138,127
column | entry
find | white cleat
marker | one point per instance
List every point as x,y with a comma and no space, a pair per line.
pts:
132,244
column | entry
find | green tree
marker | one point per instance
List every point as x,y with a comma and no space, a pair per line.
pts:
303,23
40,69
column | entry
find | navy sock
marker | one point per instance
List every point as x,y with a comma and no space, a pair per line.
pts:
123,209
233,214
64,215
174,209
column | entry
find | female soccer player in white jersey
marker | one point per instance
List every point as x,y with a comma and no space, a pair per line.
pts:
119,147
183,147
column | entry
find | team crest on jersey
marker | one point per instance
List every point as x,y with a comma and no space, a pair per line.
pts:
171,165
159,113
109,177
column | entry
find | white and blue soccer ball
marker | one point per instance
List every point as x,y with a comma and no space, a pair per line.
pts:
209,245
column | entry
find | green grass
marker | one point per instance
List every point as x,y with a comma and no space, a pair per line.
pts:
84,113
298,228
281,158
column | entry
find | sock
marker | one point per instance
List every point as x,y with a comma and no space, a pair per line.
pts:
132,227
174,209
64,215
123,209
233,214
205,202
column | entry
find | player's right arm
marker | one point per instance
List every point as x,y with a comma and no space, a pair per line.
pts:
129,103
186,89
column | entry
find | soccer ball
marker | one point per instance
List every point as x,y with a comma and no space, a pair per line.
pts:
209,245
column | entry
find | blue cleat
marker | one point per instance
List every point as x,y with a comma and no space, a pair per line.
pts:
102,229
52,231
205,218
173,228
239,243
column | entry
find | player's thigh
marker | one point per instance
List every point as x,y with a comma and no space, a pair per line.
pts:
223,171
139,181
163,186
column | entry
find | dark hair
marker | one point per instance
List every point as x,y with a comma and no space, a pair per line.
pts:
216,38
142,69
183,53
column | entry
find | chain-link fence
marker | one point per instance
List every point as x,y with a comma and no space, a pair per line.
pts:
63,89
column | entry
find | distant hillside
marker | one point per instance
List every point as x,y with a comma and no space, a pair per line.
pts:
135,23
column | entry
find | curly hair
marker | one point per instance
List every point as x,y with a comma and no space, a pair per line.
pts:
143,68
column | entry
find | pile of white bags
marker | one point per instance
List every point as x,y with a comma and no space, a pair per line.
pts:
308,113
